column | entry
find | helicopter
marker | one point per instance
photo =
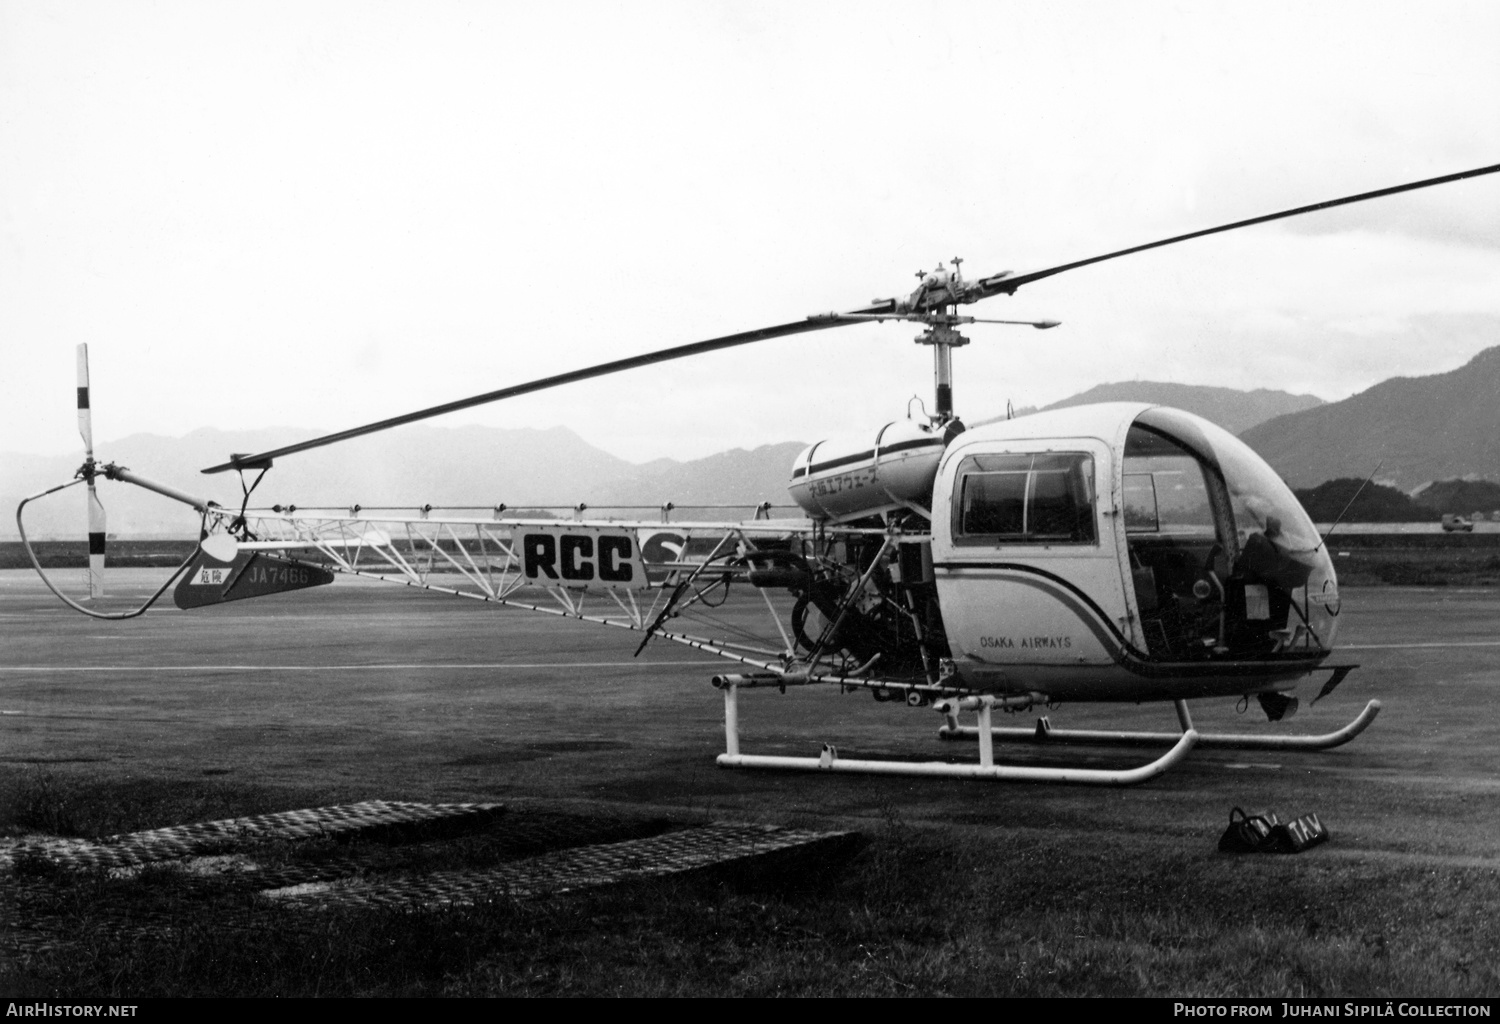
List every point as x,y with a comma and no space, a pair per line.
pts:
1120,552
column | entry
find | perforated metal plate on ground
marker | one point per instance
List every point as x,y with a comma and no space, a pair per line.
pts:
529,853
179,841
565,870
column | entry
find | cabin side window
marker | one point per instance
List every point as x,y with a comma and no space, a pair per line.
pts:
1045,498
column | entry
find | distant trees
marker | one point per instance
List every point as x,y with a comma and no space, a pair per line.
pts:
1381,504
1464,497
1377,503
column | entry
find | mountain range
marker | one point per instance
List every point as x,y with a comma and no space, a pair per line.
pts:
418,465
1235,411
1422,428
1415,429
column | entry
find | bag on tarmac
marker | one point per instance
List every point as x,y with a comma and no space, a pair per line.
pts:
1296,835
1246,832
1265,833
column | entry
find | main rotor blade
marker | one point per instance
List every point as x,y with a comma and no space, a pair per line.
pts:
1001,284
1007,283
598,370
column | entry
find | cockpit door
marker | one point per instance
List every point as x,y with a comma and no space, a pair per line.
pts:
1028,565
1180,542
1221,556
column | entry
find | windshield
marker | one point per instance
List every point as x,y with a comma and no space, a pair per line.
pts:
1259,497
1166,491
1200,505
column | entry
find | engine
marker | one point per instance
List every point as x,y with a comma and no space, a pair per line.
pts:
851,600
874,608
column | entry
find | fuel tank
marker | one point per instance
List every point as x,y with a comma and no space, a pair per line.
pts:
850,478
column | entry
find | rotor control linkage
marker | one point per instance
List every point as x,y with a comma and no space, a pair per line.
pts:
943,340
940,334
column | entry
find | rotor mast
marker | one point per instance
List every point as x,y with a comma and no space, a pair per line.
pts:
943,338
935,304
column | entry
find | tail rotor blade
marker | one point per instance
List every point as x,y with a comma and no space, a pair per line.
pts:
97,532
97,527
85,414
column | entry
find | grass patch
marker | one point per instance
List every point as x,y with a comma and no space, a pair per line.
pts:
74,554
1417,567
38,800
919,910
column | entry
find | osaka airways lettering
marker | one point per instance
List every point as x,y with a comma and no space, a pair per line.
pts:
580,557
1027,643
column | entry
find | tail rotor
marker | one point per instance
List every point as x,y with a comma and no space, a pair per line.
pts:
221,544
97,522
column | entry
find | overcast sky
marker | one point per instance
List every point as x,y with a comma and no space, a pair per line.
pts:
316,215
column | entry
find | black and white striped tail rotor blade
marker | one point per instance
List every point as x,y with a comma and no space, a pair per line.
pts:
97,523
85,415
97,530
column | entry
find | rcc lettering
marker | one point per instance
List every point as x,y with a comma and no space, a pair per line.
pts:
572,558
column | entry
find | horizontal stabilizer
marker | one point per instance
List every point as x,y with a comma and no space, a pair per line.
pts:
251,574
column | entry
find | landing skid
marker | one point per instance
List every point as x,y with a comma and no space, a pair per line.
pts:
1044,733
829,760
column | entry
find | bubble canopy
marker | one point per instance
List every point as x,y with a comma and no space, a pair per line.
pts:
1259,497
1266,535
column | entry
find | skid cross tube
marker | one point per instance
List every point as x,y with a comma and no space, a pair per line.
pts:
1044,733
830,761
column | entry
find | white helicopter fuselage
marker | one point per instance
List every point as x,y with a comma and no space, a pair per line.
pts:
1119,551
1082,554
